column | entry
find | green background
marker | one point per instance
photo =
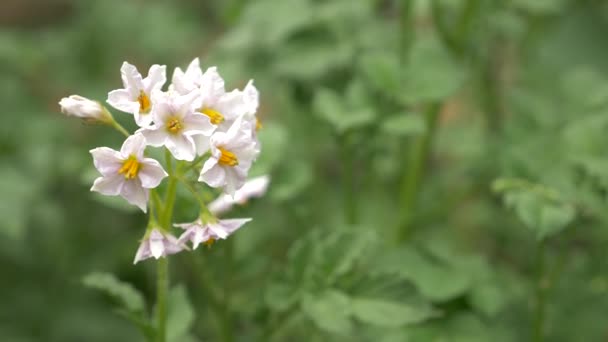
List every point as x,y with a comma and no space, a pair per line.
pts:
386,125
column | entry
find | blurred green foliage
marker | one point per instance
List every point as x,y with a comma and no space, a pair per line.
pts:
488,101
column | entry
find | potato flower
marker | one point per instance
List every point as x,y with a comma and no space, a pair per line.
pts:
175,123
232,154
199,232
127,172
137,95
157,244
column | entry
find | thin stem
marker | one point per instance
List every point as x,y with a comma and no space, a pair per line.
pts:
415,168
119,128
162,287
350,204
227,324
195,162
170,195
406,26
541,294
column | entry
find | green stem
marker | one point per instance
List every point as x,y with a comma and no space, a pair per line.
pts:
227,324
407,28
162,287
541,294
119,128
415,168
350,204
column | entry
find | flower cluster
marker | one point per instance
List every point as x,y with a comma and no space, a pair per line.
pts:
203,128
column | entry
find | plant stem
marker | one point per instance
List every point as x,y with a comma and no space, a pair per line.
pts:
407,28
162,286
541,294
415,168
227,324
119,128
350,205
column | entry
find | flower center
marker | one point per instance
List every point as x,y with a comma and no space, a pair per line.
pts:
130,167
144,102
228,158
215,116
174,125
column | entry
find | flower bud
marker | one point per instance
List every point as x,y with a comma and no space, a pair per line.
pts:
88,110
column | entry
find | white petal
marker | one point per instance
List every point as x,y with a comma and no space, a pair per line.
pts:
194,70
143,119
202,143
143,252
212,85
231,105
181,147
186,104
122,100
157,76
221,204
157,248
109,186
252,97
154,136
106,160
172,245
135,194
231,225
218,230
151,173
234,181
134,145
131,79
213,174
198,124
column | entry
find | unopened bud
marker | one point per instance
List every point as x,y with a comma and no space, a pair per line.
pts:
88,110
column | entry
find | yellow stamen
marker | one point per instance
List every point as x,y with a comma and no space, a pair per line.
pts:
215,116
174,125
144,102
130,167
228,158
209,242
258,124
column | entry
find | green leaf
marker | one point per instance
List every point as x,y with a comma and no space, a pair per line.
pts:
329,310
180,314
539,207
382,69
387,313
332,109
430,75
125,293
428,274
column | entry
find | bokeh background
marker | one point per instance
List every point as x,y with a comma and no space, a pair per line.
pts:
355,94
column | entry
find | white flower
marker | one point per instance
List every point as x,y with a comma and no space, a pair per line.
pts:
175,123
157,244
255,187
136,97
84,108
198,232
232,154
127,172
186,82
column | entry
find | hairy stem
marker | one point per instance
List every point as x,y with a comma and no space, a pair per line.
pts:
162,287
541,295
418,156
227,323
349,202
